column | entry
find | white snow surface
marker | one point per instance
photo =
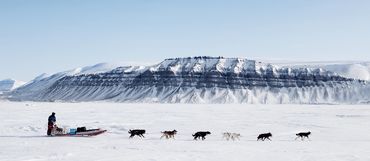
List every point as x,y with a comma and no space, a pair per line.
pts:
339,132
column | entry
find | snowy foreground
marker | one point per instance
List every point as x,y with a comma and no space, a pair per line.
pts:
340,132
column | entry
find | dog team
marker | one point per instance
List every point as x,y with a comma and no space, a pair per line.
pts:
202,135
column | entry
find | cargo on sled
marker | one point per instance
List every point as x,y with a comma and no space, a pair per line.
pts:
80,131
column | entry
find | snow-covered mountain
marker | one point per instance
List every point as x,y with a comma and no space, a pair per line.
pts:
350,69
44,81
10,84
198,80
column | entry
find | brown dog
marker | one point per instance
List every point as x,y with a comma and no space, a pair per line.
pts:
169,134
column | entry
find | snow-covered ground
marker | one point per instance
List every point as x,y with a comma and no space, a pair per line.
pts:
340,132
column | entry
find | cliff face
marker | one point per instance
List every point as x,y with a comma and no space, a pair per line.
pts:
205,80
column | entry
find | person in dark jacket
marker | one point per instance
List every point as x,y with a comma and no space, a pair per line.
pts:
51,122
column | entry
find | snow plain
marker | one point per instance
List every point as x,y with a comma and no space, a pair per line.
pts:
340,132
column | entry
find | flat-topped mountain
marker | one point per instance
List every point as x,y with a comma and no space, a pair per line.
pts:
199,80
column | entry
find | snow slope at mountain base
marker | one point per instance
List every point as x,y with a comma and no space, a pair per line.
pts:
340,132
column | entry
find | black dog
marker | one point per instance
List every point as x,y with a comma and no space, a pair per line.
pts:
137,132
302,135
201,134
264,136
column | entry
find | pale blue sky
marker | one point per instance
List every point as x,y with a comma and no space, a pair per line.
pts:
55,35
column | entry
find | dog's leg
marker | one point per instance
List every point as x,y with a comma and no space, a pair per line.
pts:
308,138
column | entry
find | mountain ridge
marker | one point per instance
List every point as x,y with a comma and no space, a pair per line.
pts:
199,80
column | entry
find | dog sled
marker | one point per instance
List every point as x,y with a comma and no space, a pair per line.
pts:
76,132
